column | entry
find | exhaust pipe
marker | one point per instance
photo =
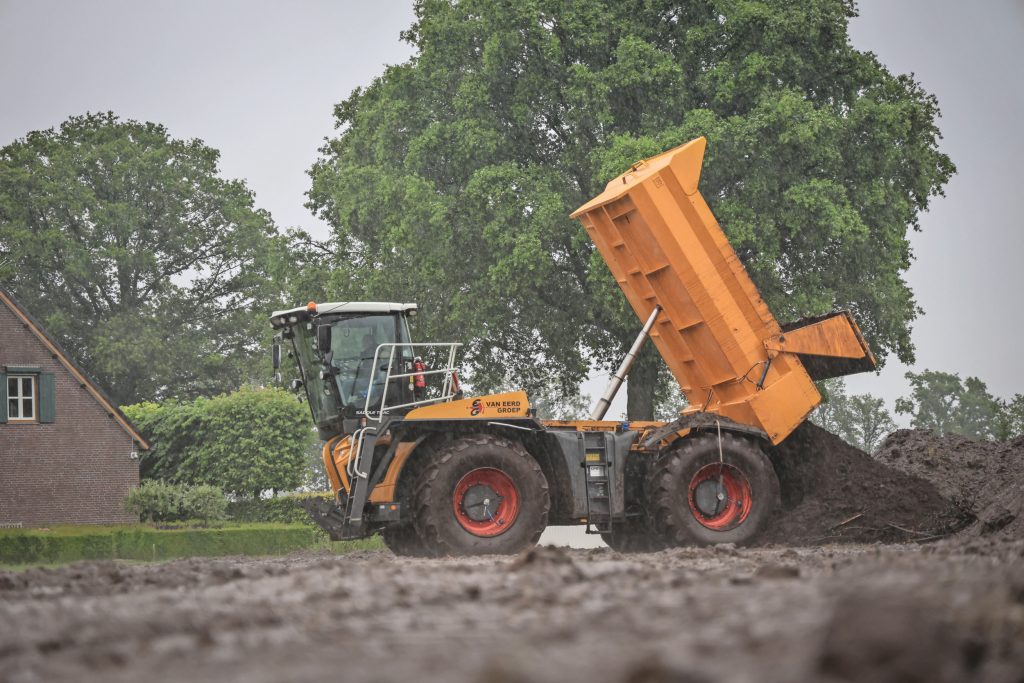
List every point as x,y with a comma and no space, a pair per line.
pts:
627,363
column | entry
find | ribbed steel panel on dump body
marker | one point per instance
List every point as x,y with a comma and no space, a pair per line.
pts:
664,246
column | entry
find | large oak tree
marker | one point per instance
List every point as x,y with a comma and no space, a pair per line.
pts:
150,268
452,175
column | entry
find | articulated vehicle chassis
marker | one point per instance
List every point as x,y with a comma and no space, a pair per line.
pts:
435,472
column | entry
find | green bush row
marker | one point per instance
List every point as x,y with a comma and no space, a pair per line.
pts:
158,501
145,543
246,442
280,509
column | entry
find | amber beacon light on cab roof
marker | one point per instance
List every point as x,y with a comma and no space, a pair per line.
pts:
436,472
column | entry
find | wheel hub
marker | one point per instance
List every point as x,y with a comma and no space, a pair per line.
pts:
709,497
720,497
486,502
480,502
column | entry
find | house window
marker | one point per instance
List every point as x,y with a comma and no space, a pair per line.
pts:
27,395
21,397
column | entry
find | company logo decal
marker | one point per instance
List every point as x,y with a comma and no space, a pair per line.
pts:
500,407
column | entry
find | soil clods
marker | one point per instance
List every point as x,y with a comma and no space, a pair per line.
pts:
834,492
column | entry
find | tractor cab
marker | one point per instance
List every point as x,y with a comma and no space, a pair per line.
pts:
356,361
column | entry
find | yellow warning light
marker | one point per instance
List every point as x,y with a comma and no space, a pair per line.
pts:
311,307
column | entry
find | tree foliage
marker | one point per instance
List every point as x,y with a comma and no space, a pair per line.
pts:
861,420
1010,420
552,404
151,269
945,403
170,427
453,174
245,442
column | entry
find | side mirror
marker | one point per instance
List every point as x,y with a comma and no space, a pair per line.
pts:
323,338
275,356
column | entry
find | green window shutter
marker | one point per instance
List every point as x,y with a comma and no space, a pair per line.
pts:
47,402
3,397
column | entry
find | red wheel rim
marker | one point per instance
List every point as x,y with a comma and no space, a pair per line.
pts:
720,497
486,502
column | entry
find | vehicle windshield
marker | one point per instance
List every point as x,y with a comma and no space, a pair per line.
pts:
354,341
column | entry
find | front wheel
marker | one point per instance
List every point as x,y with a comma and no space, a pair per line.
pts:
708,491
481,495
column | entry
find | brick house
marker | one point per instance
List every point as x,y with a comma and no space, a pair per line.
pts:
67,454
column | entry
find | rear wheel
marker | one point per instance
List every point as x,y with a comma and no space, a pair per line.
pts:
705,492
481,495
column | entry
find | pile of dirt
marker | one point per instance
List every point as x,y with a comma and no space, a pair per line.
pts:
834,492
985,478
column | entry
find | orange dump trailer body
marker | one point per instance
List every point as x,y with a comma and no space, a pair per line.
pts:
715,332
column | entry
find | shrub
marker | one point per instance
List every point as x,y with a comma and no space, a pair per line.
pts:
281,509
170,427
206,503
157,501
244,442
251,440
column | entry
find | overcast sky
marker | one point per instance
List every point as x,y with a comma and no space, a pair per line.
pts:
258,80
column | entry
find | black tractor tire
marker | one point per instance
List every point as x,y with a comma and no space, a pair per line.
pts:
403,540
672,515
633,535
434,499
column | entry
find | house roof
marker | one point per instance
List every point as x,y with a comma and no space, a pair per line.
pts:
87,382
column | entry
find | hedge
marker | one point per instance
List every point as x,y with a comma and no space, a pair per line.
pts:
279,510
158,501
246,442
69,544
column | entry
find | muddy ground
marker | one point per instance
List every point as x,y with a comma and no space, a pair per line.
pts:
840,601
914,612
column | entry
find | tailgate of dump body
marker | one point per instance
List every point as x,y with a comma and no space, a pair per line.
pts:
664,247
829,345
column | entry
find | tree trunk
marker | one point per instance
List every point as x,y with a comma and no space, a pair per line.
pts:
642,384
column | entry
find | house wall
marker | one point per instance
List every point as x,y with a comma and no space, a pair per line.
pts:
76,470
